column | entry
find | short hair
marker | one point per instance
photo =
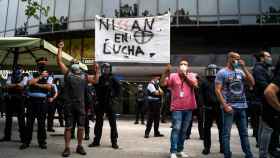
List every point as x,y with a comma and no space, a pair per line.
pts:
41,59
260,55
183,59
230,53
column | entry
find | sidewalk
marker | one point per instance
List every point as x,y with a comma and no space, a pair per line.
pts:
131,141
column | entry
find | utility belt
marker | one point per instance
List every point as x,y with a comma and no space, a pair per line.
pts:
37,99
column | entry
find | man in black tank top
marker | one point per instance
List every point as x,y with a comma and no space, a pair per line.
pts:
75,90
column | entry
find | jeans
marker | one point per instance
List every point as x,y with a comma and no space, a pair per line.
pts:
264,139
180,122
239,116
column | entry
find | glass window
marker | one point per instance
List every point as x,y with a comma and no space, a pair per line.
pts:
3,12
50,4
61,14
167,5
22,18
93,7
228,7
209,20
207,7
249,6
270,6
76,48
111,8
189,6
148,7
271,11
248,20
129,8
12,12
88,48
33,23
229,20
10,34
76,13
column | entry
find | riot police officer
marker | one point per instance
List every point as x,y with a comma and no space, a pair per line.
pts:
212,110
107,90
15,102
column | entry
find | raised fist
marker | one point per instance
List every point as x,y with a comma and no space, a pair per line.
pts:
60,44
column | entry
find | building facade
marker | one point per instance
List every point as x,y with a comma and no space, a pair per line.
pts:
202,30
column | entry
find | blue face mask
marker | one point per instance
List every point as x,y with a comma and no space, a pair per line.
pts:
235,64
268,61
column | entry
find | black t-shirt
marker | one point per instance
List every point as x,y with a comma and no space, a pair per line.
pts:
270,115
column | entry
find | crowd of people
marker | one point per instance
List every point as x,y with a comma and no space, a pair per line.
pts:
224,95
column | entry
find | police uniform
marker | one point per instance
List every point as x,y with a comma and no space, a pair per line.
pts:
15,105
154,104
37,108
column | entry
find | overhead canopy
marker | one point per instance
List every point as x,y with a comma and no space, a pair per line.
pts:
28,50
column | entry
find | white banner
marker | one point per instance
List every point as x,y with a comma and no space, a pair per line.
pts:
133,40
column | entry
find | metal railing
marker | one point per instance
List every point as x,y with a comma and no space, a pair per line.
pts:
176,21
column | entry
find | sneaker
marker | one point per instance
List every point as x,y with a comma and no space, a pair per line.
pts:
80,150
94,144
136,122
66,152
43,146
173,155
24,146
143,123
115,146
182,154
50,130
205,151
158,135
146,136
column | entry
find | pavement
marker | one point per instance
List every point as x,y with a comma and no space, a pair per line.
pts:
131,141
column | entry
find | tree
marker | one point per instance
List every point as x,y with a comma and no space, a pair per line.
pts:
33,9
270,17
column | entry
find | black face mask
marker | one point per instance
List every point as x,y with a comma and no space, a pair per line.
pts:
44,80
41,67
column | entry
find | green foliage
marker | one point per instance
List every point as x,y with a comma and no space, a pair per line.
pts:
270,17
52,20
33,9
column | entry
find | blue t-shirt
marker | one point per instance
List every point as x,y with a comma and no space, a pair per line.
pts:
232,87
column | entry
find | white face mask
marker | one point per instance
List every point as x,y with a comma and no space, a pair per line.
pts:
183,69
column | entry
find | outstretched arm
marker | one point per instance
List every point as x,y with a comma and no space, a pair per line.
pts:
59,61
